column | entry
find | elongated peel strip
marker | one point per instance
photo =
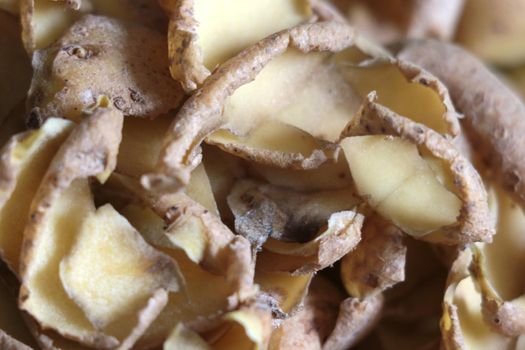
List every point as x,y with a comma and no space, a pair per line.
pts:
276,144
462,324
474,222
494,114
199,116
206,252
302,241
356,319
377,263
197,27
23,163
495,268
57,211
406,89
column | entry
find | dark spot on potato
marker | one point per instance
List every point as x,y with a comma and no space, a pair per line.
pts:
34,119
78,51
119,103
136,96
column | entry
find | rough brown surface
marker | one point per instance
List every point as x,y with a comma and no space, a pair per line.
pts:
202,112
474,223
494,115
103,56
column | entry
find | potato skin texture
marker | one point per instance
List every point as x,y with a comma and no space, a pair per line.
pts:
494,114
201,114
90,150
474,223
103,56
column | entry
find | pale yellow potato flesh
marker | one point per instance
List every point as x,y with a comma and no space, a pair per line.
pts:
421,204
109,286
399,184
272,142
140,149
476,333
272,136
246,328
327,176
31,156
197,299
184,338
50,20
287,290
243,23
410,99
370,156
291,89
199,189
48,301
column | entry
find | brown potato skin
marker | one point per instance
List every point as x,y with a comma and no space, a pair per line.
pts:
201,114
494,114
102,56
474,223
90,150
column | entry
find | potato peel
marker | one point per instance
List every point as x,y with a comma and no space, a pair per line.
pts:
202,113
113,289
356,318
494,114
407,90
193,60
248,327
262,211
462,324
282,291
81,66
23,162
474,222
391,22
327,320
205,250
377,263
262,145
341,236
90,150
494,266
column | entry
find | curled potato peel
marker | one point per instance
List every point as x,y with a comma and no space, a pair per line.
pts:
474,222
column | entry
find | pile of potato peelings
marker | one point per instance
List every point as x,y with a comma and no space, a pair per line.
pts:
282,174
